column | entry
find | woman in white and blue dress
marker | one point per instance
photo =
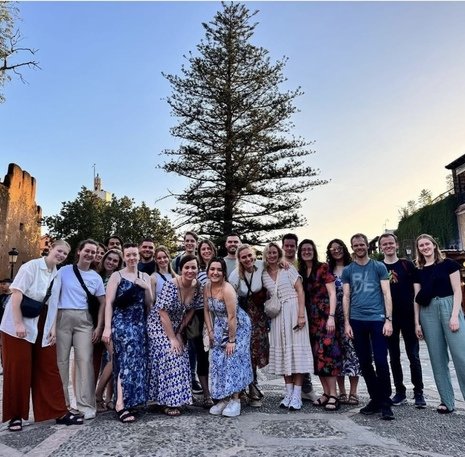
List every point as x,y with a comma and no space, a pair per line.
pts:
169,369
163,270
230,362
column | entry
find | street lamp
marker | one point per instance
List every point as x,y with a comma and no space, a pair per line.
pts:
13,257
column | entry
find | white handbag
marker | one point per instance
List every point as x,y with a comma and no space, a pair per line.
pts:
273,304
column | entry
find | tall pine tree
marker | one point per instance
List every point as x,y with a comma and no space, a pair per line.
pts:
247,173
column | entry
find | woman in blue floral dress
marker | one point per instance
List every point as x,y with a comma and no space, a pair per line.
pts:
169,369
230,365
128,298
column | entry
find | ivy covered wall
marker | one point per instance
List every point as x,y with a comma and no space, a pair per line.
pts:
438,220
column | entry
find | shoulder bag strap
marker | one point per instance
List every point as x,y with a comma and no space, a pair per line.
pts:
249,284
49,292
162,276
81,281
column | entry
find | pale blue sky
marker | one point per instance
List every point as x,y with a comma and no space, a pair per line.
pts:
384,100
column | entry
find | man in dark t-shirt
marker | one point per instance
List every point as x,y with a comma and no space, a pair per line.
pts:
401,275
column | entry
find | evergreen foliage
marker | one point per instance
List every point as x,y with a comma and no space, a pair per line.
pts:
90,217
247,174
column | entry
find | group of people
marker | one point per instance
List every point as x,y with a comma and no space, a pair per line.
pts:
144,327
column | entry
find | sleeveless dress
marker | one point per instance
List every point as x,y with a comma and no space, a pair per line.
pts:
128,329
169,373
290,350
327,359
231,374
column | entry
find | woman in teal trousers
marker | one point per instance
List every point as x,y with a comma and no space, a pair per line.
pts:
439,317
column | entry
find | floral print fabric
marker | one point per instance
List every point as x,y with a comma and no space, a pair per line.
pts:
130,347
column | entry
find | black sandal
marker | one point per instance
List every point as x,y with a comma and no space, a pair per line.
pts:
15,425
321,401
70,419
124,416
443,409
332,405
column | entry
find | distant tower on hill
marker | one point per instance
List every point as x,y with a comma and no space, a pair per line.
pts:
102,194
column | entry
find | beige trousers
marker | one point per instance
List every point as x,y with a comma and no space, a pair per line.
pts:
74,328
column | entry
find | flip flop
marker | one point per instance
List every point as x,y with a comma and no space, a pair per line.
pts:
15,425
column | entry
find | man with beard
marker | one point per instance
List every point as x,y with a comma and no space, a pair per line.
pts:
368,320
146,251
231,244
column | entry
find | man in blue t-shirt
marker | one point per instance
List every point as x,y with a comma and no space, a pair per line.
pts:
401,274
367,315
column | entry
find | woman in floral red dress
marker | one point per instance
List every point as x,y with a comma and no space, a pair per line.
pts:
320,301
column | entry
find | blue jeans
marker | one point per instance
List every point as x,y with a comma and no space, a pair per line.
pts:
370,343
412,348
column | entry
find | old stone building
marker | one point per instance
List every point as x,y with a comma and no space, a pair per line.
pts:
20,218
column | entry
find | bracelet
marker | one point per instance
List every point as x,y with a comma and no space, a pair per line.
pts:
232,342
331,315
301,317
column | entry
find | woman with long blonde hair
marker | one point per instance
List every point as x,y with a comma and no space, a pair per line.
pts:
247,281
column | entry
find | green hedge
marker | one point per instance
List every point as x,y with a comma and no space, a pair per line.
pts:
438,220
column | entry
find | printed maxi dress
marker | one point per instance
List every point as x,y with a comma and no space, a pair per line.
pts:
327,358
290,350
128,329
229,374
169,373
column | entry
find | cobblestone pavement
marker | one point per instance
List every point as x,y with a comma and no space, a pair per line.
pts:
266,431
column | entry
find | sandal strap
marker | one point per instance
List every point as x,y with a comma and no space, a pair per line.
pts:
124,414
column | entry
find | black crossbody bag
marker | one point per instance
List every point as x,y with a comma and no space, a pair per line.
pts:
93,302
32,308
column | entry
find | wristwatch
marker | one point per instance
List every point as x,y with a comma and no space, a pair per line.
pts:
389,318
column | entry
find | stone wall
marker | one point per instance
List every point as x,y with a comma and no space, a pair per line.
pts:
20,218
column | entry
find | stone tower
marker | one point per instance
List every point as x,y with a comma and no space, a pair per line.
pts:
20,218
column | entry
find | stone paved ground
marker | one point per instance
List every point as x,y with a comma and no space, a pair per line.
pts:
267,431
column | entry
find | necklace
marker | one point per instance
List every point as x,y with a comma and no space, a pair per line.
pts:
216,293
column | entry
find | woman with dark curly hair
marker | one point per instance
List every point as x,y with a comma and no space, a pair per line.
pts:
338,256
320,301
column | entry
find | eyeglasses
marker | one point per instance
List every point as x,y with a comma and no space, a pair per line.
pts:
339,249
307,250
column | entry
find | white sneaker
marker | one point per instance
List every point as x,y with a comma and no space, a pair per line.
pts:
295,403
89,415
232,409
217,409
285,401
309,396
